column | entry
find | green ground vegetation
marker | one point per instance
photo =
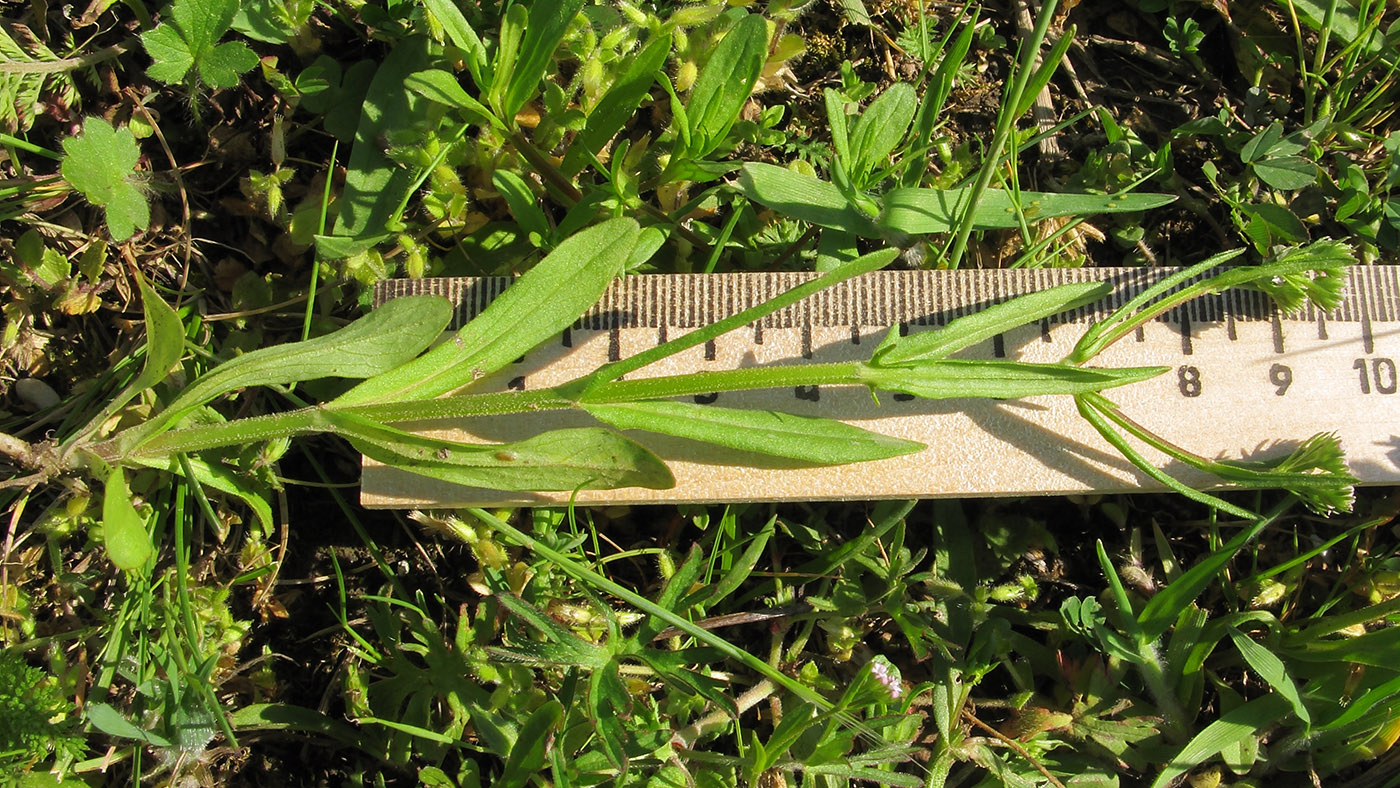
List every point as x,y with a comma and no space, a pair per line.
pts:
197,197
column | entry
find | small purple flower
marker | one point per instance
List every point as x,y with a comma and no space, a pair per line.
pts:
885,673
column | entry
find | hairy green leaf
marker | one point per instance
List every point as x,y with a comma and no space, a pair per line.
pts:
570,459
813,440
915,211
124,533
440,86
954,378
101,163
543,302
619,104
878,130
986,323
375,185
382,340
544,29
725,84
189,39
803,197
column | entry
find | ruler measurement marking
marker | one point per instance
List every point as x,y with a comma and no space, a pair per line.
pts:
1317,377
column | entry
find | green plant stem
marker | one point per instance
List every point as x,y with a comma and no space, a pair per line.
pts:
615,370
68,63
1006,122
321,230
838,373
1226,471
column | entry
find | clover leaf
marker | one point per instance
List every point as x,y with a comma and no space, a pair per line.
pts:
101,163
189,39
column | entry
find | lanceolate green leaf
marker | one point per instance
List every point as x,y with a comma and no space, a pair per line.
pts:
1233,727
544,29
803,197
812,440
725,84
953,378
878,130
915,211
374,184
460,33
440,86
1271,669
380,341
618,104
165,344
987,323
546,300
588,458
124,533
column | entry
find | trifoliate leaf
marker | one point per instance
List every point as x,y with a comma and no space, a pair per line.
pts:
189,38
101,163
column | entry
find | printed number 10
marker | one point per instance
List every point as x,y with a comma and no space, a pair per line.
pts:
1381,375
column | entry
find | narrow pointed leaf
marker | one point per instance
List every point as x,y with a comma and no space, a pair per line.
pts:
812,440
725,83
375,185
440,86
527,757
987,323
916,211
1234,727
571,459
460,33
879,129
165,344
542,303
954,378
382,340
619,104
803,197
544,29
124,533
1271,669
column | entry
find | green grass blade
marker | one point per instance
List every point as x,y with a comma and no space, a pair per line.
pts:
1233,728
1271,669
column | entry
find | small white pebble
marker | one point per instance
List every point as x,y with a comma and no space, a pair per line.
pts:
36,393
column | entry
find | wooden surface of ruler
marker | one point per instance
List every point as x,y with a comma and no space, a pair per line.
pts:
1245,381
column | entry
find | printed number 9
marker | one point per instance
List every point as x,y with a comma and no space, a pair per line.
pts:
1282,376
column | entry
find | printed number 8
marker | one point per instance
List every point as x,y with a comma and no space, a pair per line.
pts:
1188,379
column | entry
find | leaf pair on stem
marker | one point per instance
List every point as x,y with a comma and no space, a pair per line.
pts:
399,385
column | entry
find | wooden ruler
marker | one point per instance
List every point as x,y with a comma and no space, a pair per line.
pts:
1245,382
